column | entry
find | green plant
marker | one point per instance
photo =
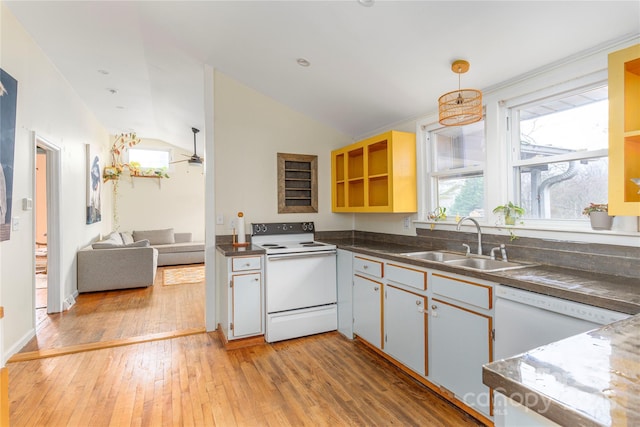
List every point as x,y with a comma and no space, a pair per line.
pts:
438,214
595,207
511,212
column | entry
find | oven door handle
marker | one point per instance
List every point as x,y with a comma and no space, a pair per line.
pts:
300,255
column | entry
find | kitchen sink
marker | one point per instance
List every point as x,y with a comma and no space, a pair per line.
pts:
438,256
471,262
483,264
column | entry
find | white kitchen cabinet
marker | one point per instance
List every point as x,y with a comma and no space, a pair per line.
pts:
240,295
460,339
367,309
405,327
345,292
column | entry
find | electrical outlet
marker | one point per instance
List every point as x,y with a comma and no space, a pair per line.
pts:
220,219
407,222
232,223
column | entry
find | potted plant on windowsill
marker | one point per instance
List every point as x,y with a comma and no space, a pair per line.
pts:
510,211
598,214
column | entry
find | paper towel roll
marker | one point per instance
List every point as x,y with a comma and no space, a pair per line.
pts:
241,232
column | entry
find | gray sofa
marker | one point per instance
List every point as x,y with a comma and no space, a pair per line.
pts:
173,248
130,260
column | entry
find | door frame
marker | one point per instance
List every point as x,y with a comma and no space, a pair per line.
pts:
55,302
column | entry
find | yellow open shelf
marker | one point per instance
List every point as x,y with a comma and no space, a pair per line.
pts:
624,131
363,178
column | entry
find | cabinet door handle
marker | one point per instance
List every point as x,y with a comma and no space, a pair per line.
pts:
365,267
418,302
257,279
434,307
377,288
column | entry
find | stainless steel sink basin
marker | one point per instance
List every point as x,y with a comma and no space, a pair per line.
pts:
483,264
438,256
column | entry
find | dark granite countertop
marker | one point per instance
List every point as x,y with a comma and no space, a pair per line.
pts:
618,293
230,250
590,379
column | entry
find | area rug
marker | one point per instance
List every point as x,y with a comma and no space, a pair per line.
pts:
183,275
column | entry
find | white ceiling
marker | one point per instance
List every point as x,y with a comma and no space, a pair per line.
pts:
371,67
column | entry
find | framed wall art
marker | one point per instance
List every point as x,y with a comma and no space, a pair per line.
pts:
94,185
8,101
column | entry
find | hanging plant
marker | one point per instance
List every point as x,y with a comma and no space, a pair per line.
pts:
122,143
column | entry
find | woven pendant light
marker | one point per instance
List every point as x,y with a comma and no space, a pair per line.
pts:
462,106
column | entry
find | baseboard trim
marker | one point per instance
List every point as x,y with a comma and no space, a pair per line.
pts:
15,348
239,343
55,352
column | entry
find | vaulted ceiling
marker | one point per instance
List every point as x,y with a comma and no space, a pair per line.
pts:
139,65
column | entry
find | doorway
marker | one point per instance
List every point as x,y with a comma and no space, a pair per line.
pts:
47,235
41,235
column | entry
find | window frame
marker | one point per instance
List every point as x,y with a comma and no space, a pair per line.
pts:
432,175
514,161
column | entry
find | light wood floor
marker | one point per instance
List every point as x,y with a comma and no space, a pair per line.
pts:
104,316
192,380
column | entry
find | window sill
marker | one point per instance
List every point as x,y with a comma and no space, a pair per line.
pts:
551,231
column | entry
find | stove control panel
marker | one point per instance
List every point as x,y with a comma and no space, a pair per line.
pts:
271,228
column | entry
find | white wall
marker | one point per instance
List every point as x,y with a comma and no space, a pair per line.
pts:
249,130
153,203
49,107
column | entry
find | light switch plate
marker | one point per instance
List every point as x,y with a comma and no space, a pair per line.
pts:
15,223
220,219
27,204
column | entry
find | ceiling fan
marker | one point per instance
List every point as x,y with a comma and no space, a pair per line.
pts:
194,159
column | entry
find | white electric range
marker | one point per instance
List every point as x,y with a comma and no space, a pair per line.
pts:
300,280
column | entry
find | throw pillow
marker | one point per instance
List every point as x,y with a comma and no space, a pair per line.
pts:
126,237
155,237
139,244
115,237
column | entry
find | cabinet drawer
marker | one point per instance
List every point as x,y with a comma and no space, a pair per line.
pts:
461,290
406,276
367,266
245,263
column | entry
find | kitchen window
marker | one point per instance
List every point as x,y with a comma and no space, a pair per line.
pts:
456,168
559,153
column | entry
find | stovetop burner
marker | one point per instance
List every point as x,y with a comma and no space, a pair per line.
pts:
289,237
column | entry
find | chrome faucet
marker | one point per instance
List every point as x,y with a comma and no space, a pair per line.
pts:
477,227
503,252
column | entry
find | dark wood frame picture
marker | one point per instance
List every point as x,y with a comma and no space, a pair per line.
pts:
297,183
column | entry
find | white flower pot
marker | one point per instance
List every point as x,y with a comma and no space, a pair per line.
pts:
600,220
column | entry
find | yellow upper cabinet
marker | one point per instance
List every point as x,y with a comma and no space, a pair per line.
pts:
375,175
624,131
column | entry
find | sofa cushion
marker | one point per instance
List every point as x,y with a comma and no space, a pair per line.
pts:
104,244
139,244
126,237
180,247
155,237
